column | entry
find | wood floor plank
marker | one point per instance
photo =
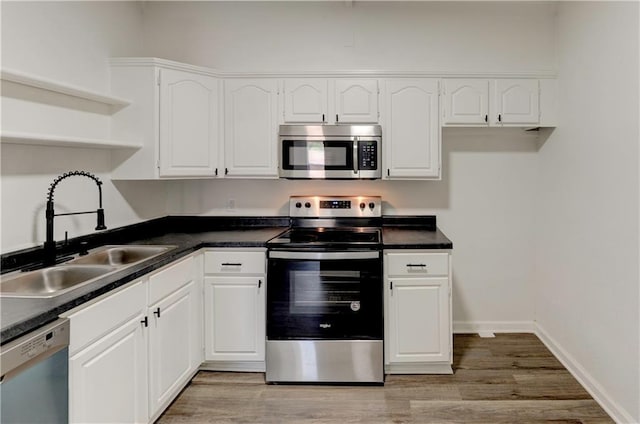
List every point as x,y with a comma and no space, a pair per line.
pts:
508,411
511,378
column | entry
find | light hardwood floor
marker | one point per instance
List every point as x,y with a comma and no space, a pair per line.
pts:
511,378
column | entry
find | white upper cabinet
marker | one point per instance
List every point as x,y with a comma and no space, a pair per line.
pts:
331,101
188,124
251,128
517,101
175,114
411,131
466,101
484,102
356,101
305,100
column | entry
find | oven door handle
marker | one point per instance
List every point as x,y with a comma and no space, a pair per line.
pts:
320,256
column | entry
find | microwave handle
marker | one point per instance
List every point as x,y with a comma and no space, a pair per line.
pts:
355,155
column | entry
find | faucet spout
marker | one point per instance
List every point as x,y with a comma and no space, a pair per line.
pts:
49,246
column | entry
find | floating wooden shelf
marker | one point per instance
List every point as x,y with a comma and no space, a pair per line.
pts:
64,141
62,88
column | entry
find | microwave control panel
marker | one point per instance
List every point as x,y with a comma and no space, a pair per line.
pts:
367,155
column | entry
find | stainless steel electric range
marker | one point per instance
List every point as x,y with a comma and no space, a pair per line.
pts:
325,296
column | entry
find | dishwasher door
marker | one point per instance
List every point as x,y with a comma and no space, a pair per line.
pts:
34,378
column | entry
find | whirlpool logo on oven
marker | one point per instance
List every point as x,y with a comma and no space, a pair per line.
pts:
325,325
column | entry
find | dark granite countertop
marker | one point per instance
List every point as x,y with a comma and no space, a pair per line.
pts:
188,234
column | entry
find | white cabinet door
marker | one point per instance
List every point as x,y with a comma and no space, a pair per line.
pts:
465,102
418,320
305,100
356,101
234,318
411,129
251,128
517,101
188,124
108,379
172,341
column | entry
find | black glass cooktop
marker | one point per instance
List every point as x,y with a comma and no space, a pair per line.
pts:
328,236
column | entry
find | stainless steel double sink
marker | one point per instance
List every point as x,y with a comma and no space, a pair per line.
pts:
57,280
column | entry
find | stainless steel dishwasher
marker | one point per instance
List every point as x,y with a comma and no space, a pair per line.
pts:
34,376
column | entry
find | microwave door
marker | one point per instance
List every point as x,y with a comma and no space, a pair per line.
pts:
321,159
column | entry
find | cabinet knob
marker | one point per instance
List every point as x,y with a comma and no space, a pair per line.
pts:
259,283
145,321
499,117
486,118
157,312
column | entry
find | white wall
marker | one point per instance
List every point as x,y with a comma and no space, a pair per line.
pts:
295,36
586,280
69,42
484,202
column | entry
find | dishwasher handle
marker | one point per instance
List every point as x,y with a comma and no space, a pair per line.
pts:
33,348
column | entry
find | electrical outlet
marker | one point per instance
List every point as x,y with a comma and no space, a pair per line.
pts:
231,204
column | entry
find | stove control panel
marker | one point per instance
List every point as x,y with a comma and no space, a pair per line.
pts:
335,206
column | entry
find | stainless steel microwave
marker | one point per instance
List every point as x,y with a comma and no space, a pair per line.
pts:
330,151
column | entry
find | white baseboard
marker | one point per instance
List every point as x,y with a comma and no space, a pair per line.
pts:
619,414
463,327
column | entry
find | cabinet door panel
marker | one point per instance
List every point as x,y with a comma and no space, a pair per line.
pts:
234,318
188,124
108,379
418,319
517,101
171,345
305,100
466,101
412,130
356,101
251,133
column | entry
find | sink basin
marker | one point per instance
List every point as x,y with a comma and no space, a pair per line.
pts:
120,255
52,281
56,280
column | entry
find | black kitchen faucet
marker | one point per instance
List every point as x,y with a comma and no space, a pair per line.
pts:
50,244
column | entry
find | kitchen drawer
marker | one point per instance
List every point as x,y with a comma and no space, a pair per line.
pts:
416,264
234,262
170,279
92,322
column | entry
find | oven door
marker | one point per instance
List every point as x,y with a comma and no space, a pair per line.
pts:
324,295
319,158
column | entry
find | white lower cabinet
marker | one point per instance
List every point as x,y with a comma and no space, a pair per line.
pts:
234,310
108,368
418,336
173,344
131,352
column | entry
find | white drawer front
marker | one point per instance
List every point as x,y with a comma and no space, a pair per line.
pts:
416,264
234,262
92,322
170,279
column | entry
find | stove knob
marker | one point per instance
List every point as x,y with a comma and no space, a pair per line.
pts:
298,205
362,205
307,205
372,205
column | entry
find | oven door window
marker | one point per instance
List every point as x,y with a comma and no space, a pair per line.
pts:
317,155
324,299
